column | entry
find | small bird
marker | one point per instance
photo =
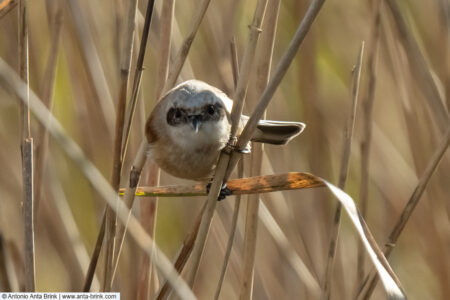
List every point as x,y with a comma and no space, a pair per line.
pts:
191,124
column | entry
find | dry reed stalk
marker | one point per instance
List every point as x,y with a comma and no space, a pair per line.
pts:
221,168
149,208
126,133
180,58
371,279
13,83
365,144
92,62
48,82
345,158
419,67
237,204
27,152
125,65
263,66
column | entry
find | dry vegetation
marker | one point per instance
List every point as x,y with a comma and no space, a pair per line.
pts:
380,132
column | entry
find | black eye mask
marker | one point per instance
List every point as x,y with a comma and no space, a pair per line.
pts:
209,112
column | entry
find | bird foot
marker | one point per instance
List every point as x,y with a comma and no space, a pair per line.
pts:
224,191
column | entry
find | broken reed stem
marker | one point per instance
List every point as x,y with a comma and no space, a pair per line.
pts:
226,259
420,70
125,65
222,165
370,280
27,152
12,82
263,66
46,95
180,58
345,158
136,86
365,145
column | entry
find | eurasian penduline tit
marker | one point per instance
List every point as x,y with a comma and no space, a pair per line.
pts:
191,125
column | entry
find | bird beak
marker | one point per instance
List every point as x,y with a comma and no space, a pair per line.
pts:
196,123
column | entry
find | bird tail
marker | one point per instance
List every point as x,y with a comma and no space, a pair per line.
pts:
276,132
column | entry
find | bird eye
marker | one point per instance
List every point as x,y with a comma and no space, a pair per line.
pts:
177,113
175,116
211,109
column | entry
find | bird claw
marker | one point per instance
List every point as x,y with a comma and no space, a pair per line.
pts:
224,191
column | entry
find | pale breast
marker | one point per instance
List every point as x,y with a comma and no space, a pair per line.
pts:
193,163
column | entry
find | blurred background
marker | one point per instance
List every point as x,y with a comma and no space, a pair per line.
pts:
407,127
